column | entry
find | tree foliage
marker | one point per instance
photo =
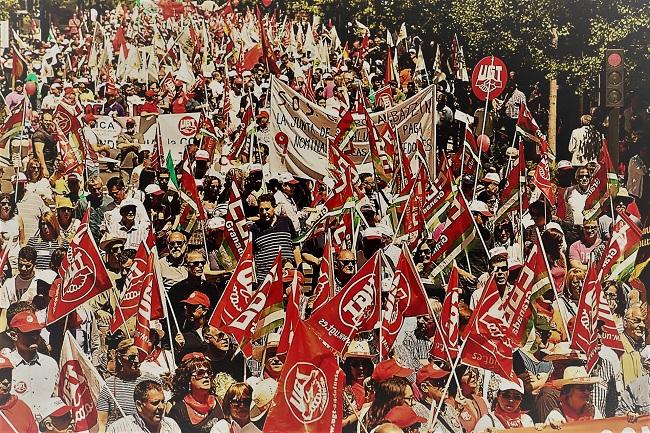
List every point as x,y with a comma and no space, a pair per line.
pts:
6,7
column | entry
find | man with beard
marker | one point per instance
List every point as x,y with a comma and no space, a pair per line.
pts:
16,415
172,266
35,374
97,202
150,412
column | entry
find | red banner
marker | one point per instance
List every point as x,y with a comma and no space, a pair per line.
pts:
308,398
447,334
607,425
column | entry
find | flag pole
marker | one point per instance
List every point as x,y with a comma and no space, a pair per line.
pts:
480,147
444,342
401,217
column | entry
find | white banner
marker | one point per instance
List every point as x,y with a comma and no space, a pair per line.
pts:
300,129
4,34
79,385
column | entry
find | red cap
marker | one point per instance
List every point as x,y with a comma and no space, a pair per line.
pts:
89,117
430,371
149,93
5,363
389,368
25,321
68,91
264,114
193,355
403,416
198,298
287,276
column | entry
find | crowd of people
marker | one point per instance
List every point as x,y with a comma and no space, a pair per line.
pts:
196,376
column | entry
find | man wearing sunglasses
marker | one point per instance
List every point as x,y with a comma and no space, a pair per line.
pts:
16,417
345,267
172,266
195,283
498,266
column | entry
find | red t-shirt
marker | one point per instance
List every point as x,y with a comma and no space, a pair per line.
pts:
19,415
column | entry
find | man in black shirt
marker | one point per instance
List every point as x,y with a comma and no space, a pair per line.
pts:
44,143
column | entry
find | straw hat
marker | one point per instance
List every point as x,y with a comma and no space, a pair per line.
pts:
272,342
263,394
358,349
575,376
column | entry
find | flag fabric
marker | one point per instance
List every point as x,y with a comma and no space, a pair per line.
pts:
324,289
389,72
238,292
533,282
618,260
149,308
593,307
263,313
509,197
82,274
309,395
445,340
192,206
342,170
354,309
383,97
173,178
382,150
210,140
342,235
602,186
527,127
79,385
457,235
344,129
487,343
18,65
267,51
142,272
542,179
436,198
292,316
406,298
236,227
12,125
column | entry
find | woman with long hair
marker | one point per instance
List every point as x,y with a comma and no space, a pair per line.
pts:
47,239
36,180
553,243
388,394
65,217
237,410
194,403
12,229
617,300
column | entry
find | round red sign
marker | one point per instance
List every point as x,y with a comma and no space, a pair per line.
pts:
489,78
188,126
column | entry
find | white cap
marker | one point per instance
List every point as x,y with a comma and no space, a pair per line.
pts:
554,226
246,74
480,207
232,74
263,394
215,223
327,76
498,251
492,178
153,189
506,385
202,155
53,407
284,79
129,202
255,168
563,164
56,86
286,178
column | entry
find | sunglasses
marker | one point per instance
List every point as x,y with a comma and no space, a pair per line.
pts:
241,402
347,262
196,264
200,374
500,269
176,243
117,249
583,176
425,252
5,203
132,358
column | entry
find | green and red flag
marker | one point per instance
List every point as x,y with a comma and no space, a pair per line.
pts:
603,185
619,259
191,205
381,150
12,125
513,188
447,334
236,230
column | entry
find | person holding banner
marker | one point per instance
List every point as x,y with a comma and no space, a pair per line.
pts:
575,395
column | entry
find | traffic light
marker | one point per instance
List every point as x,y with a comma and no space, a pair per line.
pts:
614,77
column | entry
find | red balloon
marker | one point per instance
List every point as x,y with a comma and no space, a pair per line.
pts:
30,88
483,141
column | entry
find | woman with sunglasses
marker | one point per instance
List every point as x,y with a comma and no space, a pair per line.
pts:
237,410
12,229
194,404
357,367
506,411
47,240
36,180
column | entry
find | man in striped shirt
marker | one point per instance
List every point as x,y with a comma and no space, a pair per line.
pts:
271,233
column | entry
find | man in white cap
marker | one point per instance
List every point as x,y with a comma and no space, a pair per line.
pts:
51,100
127,227
284,198
17,417
56,417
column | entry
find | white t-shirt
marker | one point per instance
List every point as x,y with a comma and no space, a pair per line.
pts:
490,421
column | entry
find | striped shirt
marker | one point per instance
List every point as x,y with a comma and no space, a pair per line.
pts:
45,249
122,393
267,239
135,424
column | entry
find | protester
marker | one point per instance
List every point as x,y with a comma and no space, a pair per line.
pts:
506,411
56,417
17,416
575,405
237,411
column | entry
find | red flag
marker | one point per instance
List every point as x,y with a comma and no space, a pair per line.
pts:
448,331
603,184
192,206
380,149
342,235
141,272
149,308
251,57
12,124
389,74
532,283
509,198
308,89
488,345
384,97
236,227
309,397
406,298
292,318
238,292
618,260
248,323
354,309
344,128
119,42
527,126
267,51
343,190
18,66
82,274
324,286
542,179
593,307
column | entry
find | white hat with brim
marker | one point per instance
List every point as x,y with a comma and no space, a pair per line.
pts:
263,394
575,376
358,349
562,352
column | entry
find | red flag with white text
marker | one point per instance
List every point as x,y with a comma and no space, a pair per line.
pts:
292,318
309,395
542,179
324,286
447,333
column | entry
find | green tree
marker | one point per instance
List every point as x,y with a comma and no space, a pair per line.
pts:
6,7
